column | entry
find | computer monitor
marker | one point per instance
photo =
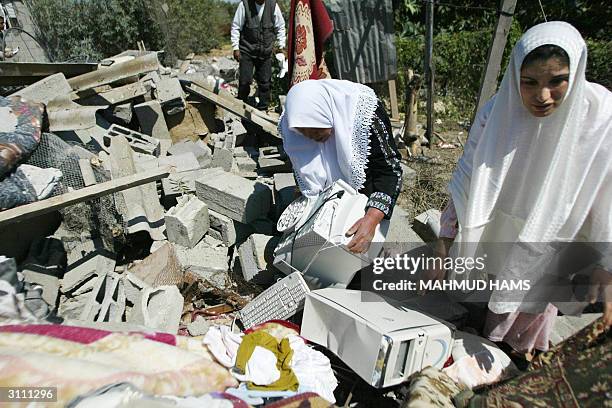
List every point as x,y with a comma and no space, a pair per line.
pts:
314,240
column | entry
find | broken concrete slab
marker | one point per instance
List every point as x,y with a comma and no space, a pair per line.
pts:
187,222
142,210
285,189
122,114
180,183
116,72
269,165
223,158
152,121
245,164
170,94
427,225
159,308
115,96
203,258
160,268
254,254
85,260
231,231
46,89
198,148
113,305
65,115
233,196
179,163
136,140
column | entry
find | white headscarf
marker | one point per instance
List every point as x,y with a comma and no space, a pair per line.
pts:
346,107
527,179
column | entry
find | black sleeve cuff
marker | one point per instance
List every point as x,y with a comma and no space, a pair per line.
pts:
382,202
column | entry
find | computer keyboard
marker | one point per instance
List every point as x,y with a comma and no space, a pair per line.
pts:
279,302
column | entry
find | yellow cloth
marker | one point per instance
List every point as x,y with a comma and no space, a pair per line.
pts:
283,352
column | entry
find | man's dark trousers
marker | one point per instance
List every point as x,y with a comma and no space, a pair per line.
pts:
263,77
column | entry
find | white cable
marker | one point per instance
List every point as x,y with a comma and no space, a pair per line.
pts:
543,13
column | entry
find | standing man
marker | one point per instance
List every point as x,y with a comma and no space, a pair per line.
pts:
256,26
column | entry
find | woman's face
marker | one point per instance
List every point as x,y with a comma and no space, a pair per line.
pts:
543,85
317,134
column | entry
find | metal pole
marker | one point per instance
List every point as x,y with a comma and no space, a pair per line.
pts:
429,72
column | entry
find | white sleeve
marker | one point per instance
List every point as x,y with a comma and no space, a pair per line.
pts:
279,26
237,24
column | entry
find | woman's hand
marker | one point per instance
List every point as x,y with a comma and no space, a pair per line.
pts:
601,283
363,231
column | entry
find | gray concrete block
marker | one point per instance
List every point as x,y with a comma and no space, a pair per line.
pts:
254,254
177,184
245,163
227,230
199,327
203,259
187,222
427,224
269,165
123,113
46,89
160,268
223,158
170,94
199,149
113,305
152,120
235,197
284,191
159,309
401,237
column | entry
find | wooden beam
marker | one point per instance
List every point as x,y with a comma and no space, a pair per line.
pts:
234,106
488,83
393,98
84,194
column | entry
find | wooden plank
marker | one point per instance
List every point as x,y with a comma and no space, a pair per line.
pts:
234,106
393,97
84,194
488,84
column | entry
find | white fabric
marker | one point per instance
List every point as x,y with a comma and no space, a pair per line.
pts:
312,369
524,179
478,361
43,180
223,344
346,107
238,23
260,368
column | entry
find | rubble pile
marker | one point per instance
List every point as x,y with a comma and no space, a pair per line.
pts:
207,221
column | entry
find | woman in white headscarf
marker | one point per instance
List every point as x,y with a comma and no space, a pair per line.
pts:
338,130
536,171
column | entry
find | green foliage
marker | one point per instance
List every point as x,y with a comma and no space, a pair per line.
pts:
92,29
597,62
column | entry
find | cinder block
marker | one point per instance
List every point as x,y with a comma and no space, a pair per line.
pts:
187,222
159,308
233,196
245,164
45,266
137,141
223,158
284,189
199,149
170,94
177,184
152,121
273,165
85,260
204,259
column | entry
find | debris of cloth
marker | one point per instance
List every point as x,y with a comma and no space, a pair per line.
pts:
478,361
20,130
431,388
260,368
77,368
223,344
309,28
282,352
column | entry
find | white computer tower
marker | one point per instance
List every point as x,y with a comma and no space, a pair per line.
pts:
381,340
314,243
